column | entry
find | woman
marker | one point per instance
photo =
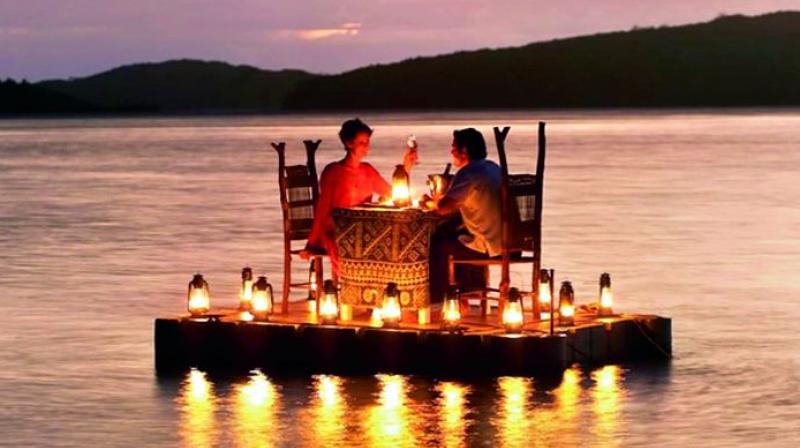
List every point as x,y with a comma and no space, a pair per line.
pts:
346,183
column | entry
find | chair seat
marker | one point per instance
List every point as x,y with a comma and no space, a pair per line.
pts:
515,257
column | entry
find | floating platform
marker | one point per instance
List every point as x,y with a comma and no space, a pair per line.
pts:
295,343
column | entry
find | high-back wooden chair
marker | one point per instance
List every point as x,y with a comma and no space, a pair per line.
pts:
521,209
299,192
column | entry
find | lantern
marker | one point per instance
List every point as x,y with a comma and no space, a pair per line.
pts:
401,195
390,312
566,304
545,295
512,313
261,305
606,298
329,304
198,299
451,314
246,291
311,300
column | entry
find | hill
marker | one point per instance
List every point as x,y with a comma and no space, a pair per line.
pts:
730,61
182,85
23,98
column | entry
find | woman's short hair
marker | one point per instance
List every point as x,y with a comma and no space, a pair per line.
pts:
472,140
351,128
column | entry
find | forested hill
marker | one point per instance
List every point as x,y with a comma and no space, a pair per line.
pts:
730,61
182,85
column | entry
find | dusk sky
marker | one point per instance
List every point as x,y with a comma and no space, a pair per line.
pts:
61,38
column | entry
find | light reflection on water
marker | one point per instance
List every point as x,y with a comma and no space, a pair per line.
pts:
397,410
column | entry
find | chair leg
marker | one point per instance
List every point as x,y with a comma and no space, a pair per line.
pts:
318,278
287,278
484,302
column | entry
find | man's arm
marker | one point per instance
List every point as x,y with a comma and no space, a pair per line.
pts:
455,195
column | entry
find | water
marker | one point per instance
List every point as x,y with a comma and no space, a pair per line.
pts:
103,222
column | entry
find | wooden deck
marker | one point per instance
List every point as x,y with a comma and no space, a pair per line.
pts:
296,343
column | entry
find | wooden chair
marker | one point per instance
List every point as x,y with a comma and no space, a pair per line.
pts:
299,192
521,208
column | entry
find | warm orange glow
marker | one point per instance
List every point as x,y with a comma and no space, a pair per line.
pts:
452,312
452,403
390,311
512,316
605,402
389,423
246,316
197,404
376,319
262,305
255,409
513,413
328,310
246,294
199,302
544,300
400,193
606,301
329,411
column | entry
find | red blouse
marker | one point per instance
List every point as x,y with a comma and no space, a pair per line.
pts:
341,186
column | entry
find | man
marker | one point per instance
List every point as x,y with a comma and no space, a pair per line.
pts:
473,199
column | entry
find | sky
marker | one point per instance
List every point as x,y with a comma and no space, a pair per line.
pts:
42,39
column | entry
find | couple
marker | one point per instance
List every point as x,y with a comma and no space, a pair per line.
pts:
472,200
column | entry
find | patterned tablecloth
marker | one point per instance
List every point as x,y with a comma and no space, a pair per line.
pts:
378,245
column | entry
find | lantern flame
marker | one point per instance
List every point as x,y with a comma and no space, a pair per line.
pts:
328,307
512,313
390,312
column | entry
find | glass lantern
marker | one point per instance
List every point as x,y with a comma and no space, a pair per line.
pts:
246,290
512,313
198,298
401,194
390,311
451,313
329,304
545,295
606,298
566,304
262,302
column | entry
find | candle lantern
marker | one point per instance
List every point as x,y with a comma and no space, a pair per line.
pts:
545,295
246,291
401,195
606,298
451,314
311,300
329,304
261,305
198,298
390,311
566,304
512,313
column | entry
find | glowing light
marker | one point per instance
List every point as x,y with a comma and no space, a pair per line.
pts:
400,191
389,423
605,402
606,298
514,418
453,408
246,290
329,410
544,295
329,306
255,409
197,404
246,316
262,304
390,311
512,313
198,297
566,304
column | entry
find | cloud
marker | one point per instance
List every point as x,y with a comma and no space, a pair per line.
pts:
346,29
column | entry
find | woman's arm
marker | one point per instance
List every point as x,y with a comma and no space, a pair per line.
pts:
322,212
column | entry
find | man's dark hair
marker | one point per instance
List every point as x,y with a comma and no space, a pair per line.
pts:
472,140
351,128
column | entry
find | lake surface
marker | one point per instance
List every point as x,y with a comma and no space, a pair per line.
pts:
104,221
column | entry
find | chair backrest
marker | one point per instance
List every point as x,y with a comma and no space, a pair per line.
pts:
299,191
517,193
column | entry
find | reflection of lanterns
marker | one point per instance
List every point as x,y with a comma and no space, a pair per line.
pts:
401,195
451,314
390,312
545,296
312,287
246,291
566,304
329,304
606,298
198,298
512,313
261,305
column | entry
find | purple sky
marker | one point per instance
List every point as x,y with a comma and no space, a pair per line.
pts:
60,38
